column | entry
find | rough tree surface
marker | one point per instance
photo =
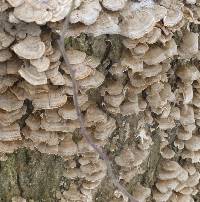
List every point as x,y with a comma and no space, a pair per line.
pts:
138,72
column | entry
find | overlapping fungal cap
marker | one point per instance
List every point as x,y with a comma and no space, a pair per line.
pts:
114,5
41,11
30,48
176,182
153,84
87,12
73,194
131,159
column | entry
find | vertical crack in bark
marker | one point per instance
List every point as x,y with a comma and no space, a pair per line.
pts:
19,185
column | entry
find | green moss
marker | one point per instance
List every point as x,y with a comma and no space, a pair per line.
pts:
31,175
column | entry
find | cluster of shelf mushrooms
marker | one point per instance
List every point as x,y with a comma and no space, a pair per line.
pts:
156,82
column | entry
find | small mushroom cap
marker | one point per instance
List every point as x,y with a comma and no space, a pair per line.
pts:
158,196
55,76
141,49
10,133
166,185
67,147
5,55
112,88
81,71
15,3
187,115
114,5
129,108
134,28
87,13
190,46
128,61
30,13
91,185
5,39
63,126
170,165
158,11
9,102
93,168
114,100
93,62
153,36
30,48
41,136
151,70
62,9
7,81
100,116
193,144
184,135
33,122
173,17
7,118
31,75
42,64
104,130
52,116
154,56
73,194
166,123
68,112
92,81
188,73
4,6
51,100
141,193
75,57
106,23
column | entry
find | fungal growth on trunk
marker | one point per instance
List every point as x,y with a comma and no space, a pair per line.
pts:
124,81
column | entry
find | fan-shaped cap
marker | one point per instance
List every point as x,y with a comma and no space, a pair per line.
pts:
5,55
190,46
154,56
41,64
5,40
30,13
10,133
41,136
193,144
134,28
31,75
173,17
114,5
68,112
49,100
100,116
7,118
188,73
67,147
92,81
141,193
87,13
105,24
9,102
15,3
30,48
75,56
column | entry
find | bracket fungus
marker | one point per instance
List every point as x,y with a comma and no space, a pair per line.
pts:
139,87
